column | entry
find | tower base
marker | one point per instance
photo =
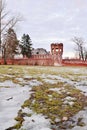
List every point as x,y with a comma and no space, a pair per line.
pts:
57,64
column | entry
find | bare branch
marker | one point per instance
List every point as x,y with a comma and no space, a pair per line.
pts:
6,23
4,15
2,5
15,20
79,46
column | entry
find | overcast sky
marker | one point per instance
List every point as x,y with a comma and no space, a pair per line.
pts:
51,21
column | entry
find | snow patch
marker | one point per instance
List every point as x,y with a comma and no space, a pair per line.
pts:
50,81
8,83
82,114
11,100
58,90
36,122
34,83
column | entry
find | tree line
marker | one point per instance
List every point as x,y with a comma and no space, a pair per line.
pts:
11,45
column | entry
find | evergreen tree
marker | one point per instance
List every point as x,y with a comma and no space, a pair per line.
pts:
26,45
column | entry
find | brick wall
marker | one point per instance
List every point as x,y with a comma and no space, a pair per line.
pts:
43,60
74,62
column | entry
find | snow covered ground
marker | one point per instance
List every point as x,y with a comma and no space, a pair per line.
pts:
13,95
36,122
11,99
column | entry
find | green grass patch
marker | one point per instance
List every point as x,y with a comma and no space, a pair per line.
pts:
50,103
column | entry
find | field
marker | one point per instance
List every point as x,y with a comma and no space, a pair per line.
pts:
43,98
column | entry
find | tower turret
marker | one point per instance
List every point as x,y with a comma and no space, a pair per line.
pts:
56,52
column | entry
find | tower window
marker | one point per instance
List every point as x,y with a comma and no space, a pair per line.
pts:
56,49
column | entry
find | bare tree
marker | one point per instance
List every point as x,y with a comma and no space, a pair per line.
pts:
85,54
6,21
80,47
10,45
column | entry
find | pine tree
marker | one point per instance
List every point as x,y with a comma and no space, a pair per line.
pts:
26,45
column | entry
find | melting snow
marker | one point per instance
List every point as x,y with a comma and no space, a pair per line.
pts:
13,97
34,83
8,83
36,122
82,115
11,100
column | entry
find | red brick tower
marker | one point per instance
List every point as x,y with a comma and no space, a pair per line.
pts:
57,51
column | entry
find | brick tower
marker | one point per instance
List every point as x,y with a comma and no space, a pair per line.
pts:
57,51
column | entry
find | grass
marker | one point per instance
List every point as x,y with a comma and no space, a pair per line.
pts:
44,99
51,104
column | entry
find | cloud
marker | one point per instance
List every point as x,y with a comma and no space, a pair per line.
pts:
48,21
81,3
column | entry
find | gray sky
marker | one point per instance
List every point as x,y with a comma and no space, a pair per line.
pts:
51,21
